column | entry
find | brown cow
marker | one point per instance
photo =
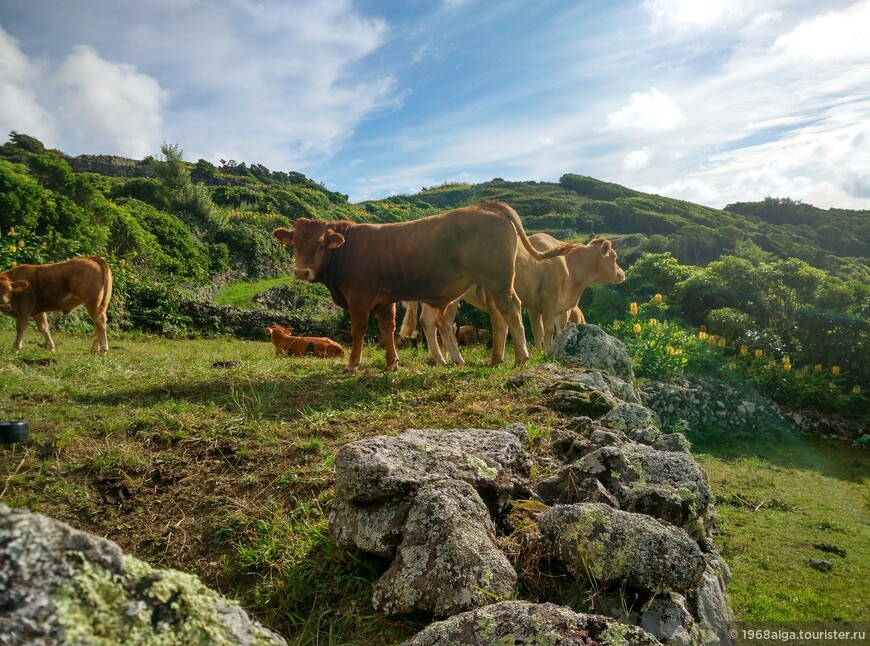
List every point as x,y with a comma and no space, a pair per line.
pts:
369,267
32,290
298,346
549,290
470,335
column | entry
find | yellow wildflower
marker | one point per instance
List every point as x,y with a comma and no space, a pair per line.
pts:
617,324
733,365
652,322
13,248
817,367
744,350
21,244
633,309
123,261
856,390
759,353
637,328
835,370
721,342
702,335
658,298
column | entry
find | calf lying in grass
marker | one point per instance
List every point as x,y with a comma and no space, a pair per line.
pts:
299,346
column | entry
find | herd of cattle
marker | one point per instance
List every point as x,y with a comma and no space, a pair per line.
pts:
478,253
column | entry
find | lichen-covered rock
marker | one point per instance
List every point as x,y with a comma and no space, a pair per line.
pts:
383,468
448,561
636,421
375,528
667,618
573,400
681,402
599,543
710,609
588,346
666,485
521,622
59,585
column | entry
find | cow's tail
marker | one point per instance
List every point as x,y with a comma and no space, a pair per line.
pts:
409,321
507,212
107,282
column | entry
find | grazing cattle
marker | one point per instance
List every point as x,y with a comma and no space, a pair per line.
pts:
470,335
29,291
369,267
299,346
549,290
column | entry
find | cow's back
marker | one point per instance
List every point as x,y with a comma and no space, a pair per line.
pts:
63,286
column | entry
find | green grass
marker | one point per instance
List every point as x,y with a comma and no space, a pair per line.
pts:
227,473
776,499
242,294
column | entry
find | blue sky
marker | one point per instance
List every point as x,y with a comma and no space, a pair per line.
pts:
711,101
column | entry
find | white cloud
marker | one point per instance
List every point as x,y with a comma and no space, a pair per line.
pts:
650,111
110,106
636,160
691,14
831,36
20,83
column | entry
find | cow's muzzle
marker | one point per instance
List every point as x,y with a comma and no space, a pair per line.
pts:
304,274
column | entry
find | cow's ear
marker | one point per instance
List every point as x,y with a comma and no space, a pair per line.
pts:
19,285
284,235
334,240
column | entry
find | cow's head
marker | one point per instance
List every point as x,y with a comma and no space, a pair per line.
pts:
312,240
604,270
7,288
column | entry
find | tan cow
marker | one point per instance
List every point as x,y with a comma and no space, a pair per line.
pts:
29,291
549,290
286,344
369,267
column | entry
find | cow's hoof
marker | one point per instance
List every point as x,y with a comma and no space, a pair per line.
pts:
393,367
350,369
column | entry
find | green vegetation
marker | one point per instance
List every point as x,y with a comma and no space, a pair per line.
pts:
226,473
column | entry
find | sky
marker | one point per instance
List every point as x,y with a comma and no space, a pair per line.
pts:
710,101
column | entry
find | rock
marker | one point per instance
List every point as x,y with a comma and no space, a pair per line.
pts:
381,469
597,542
588,346
636,421
448,561
59,585
681,402
374,528
567,399
710,609
521,622
668,619
821,565
666,485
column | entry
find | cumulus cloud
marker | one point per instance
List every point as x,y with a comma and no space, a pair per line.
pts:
110,106
649,111
20,83
831,36
636,160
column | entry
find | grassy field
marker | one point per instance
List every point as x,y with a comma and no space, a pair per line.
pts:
190,460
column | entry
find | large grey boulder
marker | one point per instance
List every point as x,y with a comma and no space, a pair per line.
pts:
448,561
59,585
382,468
596,542
590,347
664,484
521,622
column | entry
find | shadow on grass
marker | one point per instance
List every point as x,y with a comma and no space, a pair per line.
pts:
839,458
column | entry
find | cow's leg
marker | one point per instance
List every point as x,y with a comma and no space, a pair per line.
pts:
21,320
387,325
510,307
41,321
445,326
499,333
538,328
101,341
429,321
359,321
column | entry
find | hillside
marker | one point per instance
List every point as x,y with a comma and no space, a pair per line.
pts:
778,277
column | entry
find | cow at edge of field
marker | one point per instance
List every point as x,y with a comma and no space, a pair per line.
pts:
470,335
29,291
368,268
286,344
549,290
